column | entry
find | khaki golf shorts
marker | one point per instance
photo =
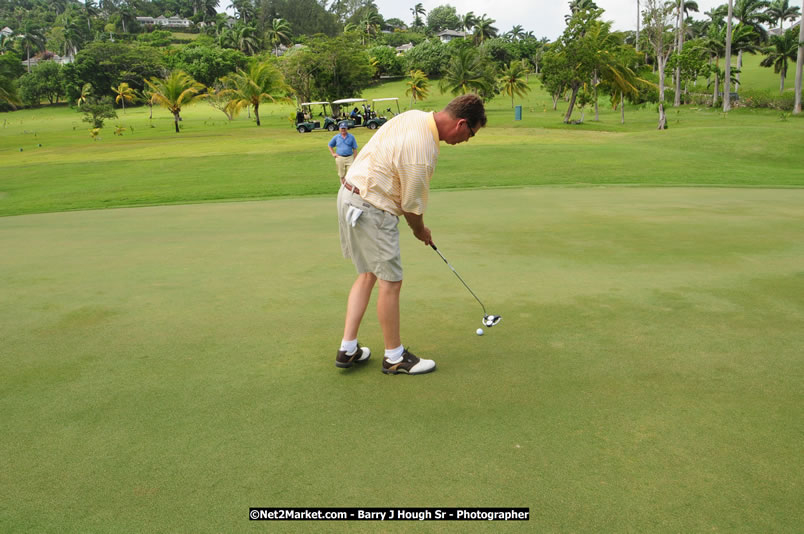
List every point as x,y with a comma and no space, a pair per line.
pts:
373,243
343,163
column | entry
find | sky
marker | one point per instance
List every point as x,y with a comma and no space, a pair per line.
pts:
545,18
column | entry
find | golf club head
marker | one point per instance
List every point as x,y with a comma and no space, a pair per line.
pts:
491,320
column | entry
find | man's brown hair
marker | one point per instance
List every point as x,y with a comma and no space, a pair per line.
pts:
469,107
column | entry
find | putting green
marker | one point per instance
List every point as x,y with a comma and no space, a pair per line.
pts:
166,368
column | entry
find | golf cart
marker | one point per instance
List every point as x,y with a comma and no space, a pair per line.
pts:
306,120
379,120
356,117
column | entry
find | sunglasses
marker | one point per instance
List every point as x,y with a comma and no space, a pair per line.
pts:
471,131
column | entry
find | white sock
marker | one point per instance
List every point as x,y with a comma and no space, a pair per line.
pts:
394,355
349,346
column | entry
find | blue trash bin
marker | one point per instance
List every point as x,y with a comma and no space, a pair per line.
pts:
518,113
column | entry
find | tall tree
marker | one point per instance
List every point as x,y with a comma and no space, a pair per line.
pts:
639,18
512,81
370,24
248,88
727,77
175,91
468,21
618,77
715,45
579,5
418,86
749,13
780,11
468,72
418,12
657,21
90,10
9,65
278,33
32,39
783,48
123,94
799,63
683,8
245,39
484,29
244,9
743,39
572,61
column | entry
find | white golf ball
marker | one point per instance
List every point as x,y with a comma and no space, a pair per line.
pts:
479,331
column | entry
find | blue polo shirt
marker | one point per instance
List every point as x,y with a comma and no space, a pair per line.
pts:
344,147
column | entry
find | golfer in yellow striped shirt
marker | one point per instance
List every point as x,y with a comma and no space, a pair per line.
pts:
391,177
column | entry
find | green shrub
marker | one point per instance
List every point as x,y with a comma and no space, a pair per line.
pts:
767,99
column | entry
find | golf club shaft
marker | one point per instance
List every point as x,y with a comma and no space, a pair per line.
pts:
459,277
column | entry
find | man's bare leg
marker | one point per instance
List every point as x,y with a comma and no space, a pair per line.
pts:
388,312
357,303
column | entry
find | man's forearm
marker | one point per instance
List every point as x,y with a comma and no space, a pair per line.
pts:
415,221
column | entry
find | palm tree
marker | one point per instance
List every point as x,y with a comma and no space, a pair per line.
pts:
8,90
683,8
209,9
484,29
780,10
227,38
727,77
579,5
245,40
261,82
176,90
127,16
86,92
799,64
33,38
147,96
468,21
618,76
511,81
516,33
418,86
278,33
717,15
6,43
124,93
467,72
749,13
783,48
639,17
715,45
370,24
73,36
91,10
743,39
418,11
244,9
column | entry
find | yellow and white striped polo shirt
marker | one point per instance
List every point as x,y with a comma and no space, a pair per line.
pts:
394,168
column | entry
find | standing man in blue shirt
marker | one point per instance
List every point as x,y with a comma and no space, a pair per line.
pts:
343,148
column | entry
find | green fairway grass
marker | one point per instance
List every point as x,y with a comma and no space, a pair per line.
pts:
215,160
163,369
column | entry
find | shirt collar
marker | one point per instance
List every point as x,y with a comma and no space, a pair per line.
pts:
433,128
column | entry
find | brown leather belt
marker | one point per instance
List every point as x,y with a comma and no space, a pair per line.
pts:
350,187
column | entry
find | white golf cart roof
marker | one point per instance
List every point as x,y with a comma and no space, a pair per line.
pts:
312,103
348,100
383,99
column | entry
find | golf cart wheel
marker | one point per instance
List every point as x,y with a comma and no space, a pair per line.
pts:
331,127
372,126
302,129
